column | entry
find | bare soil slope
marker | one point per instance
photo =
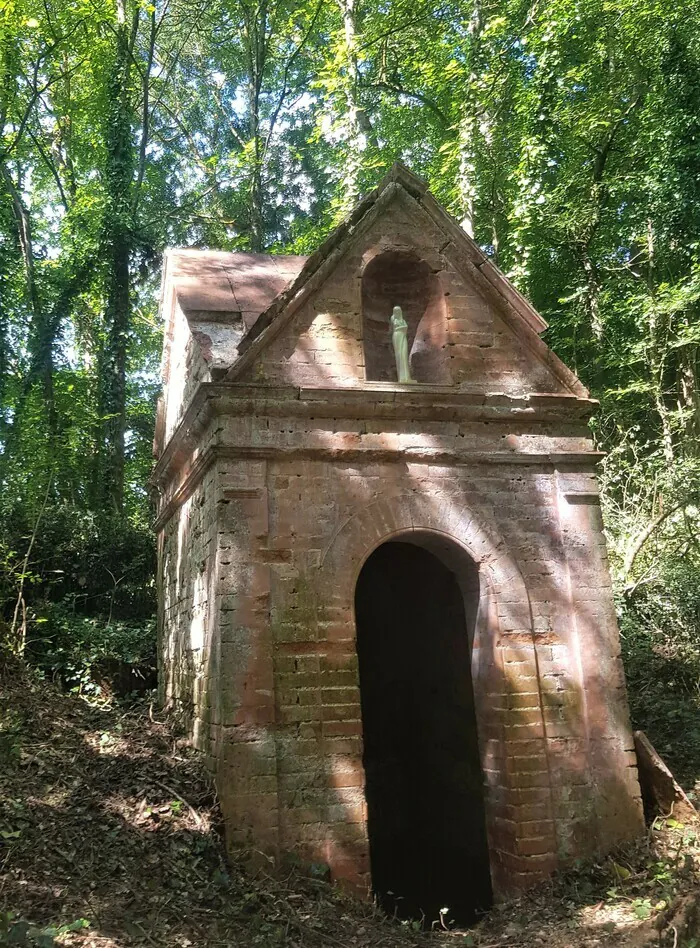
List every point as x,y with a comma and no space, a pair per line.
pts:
109,837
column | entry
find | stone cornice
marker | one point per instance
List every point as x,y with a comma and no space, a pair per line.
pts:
376,401
183,463
373,401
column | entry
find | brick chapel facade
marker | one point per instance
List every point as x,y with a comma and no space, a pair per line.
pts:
386,608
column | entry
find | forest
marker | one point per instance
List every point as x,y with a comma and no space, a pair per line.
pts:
563,136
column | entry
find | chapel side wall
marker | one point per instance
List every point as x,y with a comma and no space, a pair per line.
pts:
187,571
216,651
592,768
609,735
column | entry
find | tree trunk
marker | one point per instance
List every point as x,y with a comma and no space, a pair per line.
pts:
656,349
42,330
690,398
468,127
257,226
256,47
592,293
356,120
118,240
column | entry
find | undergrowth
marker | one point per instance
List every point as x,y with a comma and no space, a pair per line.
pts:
77,597
110,837
659,626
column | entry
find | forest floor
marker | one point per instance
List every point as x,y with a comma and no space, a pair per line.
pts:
110,837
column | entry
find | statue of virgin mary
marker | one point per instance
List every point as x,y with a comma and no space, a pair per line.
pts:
399,339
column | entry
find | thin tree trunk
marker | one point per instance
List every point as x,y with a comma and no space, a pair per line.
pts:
19,645
656,357
65,132
592,293
42,332
24,232
358,127
469,126
118,239
4,348
256,43
690,397
636,545
145,109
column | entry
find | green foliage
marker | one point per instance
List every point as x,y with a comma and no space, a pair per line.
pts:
659,628
564,136
15,931
652,512
83,652
99,563
90,594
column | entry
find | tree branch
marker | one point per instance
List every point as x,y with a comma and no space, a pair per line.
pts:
432,14
285,78
418,96
636,546
52,168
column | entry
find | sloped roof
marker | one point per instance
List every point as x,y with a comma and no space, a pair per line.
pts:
222,294
218,282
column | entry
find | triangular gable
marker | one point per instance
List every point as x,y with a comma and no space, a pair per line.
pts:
412,193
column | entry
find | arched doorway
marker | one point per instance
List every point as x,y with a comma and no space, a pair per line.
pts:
424,784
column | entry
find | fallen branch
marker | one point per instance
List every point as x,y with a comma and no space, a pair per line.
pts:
197,818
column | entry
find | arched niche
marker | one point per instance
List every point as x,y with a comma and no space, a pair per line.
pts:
397,278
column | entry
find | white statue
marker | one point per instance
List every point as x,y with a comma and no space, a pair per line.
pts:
399,338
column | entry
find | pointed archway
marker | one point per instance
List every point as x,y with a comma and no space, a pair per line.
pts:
424,785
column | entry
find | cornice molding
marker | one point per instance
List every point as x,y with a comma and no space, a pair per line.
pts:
374,401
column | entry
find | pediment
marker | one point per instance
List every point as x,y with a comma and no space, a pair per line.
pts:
330,326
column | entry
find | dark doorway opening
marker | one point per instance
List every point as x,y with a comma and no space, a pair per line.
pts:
427,836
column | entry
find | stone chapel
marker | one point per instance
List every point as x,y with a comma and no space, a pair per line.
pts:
385,606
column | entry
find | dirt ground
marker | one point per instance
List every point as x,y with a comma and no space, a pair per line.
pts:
110,837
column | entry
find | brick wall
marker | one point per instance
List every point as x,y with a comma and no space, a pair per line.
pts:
278,485
276,533
187,603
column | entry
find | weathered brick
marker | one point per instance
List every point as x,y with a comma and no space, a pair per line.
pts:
279,485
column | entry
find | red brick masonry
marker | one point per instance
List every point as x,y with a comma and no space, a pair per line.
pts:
281,468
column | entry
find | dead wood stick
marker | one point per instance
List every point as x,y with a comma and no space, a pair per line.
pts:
197,818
